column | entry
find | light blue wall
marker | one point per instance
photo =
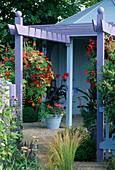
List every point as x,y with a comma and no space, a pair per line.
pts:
58,58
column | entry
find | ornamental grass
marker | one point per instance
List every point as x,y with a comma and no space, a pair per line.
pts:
61,151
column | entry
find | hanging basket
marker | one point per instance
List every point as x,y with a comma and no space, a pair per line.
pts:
53,122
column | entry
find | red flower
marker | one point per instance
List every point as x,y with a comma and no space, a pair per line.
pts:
86,71
26,39
34,44
90,41
57,75
108,50
65,75
7,73
48,71
7,78
39,98
28,65
6,59
35,82
95,62
32,75
88,48
26,86
88,80
38,69
50,107
31,53
46,58
88,58
111,39
29,101
33,104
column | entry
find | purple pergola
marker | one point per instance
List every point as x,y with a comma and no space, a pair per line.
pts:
63,33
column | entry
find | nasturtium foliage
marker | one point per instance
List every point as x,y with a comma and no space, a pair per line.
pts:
37,73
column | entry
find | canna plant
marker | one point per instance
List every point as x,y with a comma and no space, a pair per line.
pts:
105,86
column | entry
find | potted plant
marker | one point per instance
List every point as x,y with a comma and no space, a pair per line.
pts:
52,109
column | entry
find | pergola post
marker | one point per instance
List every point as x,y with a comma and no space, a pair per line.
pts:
69,83
100,62
19,61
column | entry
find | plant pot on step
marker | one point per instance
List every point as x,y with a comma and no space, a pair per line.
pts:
53,122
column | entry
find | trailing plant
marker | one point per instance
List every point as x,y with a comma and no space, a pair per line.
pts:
37,73
61,150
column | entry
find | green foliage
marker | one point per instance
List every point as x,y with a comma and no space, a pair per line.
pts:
29,114
37,74
34,12
13,155
87,150
45,110
106,86
61,150
88,111
10,129
88,3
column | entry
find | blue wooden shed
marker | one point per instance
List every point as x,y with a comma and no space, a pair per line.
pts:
79,28
65,42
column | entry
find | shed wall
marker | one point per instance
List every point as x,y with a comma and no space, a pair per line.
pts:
58,58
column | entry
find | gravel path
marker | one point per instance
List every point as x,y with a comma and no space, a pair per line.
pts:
43,134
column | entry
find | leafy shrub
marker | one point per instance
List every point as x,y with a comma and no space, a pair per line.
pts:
29,114
86,151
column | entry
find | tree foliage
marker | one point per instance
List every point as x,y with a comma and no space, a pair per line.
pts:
34,12
89,3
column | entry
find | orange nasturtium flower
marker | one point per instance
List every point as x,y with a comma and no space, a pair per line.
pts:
29,101
7,73
39,98
33,104
6,59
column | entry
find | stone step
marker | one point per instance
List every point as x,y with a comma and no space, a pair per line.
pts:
89,166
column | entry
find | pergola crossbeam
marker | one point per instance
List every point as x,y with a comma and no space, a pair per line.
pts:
108,28
38,33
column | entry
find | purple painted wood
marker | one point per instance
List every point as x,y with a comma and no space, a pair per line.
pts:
69,83
38,33
108,28
19,62
100,62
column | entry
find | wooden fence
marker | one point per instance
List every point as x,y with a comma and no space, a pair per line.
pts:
10,91
109,143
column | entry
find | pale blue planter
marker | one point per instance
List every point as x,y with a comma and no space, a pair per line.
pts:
53,122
